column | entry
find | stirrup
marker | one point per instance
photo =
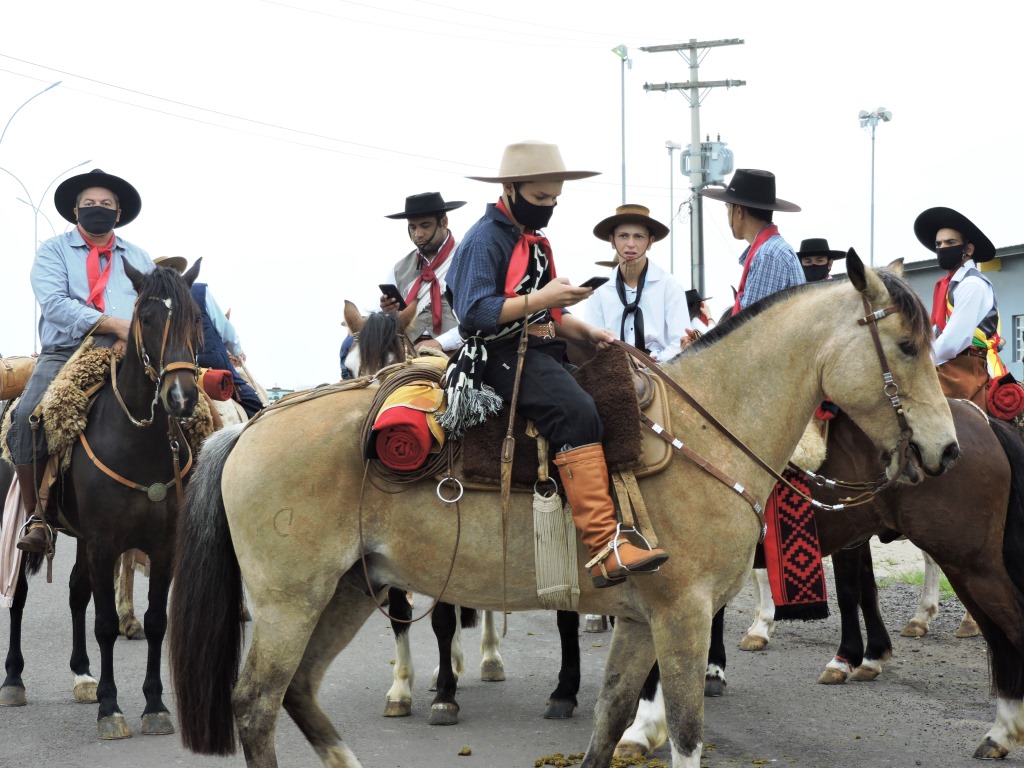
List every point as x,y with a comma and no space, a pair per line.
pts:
49,533
612,547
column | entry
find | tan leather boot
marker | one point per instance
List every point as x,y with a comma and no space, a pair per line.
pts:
584,475
39,534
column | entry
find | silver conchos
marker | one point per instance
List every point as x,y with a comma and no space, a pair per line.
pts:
157,492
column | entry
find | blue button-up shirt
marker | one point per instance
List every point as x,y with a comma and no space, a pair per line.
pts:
775,268
61,285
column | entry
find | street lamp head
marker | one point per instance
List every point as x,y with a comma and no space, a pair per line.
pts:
863,114
621,51
884,115
670,145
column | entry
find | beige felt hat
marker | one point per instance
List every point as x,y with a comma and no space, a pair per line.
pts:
180,263
533,161
631,214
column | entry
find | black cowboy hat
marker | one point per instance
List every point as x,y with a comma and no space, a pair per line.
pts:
425,204
66,195
694,297
818,246
931,221
751,188
631,214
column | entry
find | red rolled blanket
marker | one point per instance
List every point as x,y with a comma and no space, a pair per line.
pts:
1005,397
402,438
219,385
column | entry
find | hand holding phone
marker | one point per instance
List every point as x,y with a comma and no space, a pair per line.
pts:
594,283
391,291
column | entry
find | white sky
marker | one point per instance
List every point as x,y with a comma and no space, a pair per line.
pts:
271,138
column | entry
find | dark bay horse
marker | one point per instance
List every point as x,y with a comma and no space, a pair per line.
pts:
133,432
332,534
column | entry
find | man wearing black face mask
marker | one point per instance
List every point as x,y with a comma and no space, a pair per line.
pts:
79,281
965,316
816,259
502,276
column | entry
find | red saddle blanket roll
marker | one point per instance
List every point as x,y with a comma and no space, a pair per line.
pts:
1005,398
402,438
219,385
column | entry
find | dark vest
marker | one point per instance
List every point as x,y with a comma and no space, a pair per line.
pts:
990,323
213,353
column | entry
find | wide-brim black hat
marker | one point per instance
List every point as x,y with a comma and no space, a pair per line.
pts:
694,297
128,198
751,188
631,214
425,204
818,246
927,225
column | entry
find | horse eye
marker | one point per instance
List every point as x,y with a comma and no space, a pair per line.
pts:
908,348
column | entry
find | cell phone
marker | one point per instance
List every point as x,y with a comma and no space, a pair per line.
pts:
594,282
391,291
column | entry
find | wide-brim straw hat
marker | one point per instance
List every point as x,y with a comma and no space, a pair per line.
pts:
818,246
631,214
533,161
426,204
179,263
927,225
751,188
66,195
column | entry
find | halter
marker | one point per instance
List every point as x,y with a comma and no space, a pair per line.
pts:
154,376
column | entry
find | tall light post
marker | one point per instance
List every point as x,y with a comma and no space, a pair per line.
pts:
872,118
671,146
623,53
51,85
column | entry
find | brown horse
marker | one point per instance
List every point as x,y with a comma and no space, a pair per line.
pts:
299,526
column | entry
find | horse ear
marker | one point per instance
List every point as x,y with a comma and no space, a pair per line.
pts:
407,316
897,266
855,269
865,280
353,319
193,272
134,275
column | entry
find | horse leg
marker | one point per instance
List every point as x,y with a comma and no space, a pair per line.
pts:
156,720
110,720
338,624
595,622
879,648
79,595
649,729
928,606
444,710
764,615
968,626
846,565
562,701
398,699
12,692
714,676
492,666
124,588
454,651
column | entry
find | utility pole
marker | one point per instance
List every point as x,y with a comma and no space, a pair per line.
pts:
694,91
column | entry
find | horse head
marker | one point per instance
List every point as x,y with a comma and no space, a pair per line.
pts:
380,339
166,332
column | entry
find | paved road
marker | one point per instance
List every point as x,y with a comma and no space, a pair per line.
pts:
930,708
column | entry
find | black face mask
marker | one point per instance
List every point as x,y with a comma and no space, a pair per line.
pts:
950,257
97,220
815,272
529,215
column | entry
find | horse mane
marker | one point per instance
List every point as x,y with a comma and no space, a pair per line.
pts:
901,295
378,337
165,283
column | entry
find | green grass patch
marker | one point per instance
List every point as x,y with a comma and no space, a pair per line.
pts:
916,578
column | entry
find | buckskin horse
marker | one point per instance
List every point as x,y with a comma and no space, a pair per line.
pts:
132,432
330,535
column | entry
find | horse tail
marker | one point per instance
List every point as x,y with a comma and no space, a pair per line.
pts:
468,617
205,641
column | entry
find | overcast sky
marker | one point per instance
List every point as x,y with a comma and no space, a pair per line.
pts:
271,138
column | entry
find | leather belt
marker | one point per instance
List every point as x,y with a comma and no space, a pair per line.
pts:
974,352
542,330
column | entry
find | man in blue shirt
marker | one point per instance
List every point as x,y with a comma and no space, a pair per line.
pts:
769,262
79,281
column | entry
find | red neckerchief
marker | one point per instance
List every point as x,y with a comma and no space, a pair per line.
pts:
705,319
763,235
521,255
939,301
427,275
98,280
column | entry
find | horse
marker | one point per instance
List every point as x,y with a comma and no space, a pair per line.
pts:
973,530
338,543
131,432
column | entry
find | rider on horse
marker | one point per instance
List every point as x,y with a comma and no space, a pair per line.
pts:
80,283
502,275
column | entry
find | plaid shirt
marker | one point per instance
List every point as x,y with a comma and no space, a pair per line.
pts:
775,268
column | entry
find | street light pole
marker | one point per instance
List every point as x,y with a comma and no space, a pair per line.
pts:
623,53
672,147
872,118
51,85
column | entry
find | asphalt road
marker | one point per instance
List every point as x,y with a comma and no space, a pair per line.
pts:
930,707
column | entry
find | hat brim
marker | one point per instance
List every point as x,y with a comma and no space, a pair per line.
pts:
451,206
606,228
932,220
831,254
609,264
178,263
558,176
725,196
128,198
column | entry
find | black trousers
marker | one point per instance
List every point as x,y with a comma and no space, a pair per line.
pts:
548,394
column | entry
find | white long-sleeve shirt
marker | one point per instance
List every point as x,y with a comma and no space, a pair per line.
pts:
974,299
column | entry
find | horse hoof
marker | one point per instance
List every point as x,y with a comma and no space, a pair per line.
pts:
629,750
753,643
133,630
113,727
398,708
832,676
444,714
559,710
713,688
13,696
596,623
157,724
989,750
968,629
865,673
85,689
492,671
914,628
